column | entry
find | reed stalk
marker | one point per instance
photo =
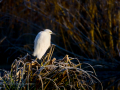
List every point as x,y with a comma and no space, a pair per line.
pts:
111,43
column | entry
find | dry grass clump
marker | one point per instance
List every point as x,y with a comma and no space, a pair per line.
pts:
49,74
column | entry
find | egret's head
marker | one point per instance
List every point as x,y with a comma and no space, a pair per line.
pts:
49,31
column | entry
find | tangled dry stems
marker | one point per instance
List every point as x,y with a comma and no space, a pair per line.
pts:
49,74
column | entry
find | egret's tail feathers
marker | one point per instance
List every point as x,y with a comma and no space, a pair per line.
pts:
39,57
38,53
34,54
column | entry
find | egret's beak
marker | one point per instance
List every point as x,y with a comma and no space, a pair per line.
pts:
53,33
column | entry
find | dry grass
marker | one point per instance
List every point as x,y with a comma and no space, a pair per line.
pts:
49,74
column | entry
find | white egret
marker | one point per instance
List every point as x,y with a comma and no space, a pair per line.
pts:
42,42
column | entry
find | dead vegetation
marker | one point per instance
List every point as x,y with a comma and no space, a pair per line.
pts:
49,74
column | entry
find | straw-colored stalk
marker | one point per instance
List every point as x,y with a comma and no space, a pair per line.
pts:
111,44
118,42
92,12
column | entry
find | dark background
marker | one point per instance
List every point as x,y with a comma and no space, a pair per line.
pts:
86,29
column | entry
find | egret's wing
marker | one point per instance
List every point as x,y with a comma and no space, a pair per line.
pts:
41,44
36,39
36,43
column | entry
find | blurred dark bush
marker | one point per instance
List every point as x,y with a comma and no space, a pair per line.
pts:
88,28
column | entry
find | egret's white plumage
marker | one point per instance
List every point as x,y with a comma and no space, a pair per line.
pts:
42,42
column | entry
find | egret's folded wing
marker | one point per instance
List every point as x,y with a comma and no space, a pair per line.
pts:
37,44
41,44
36,39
